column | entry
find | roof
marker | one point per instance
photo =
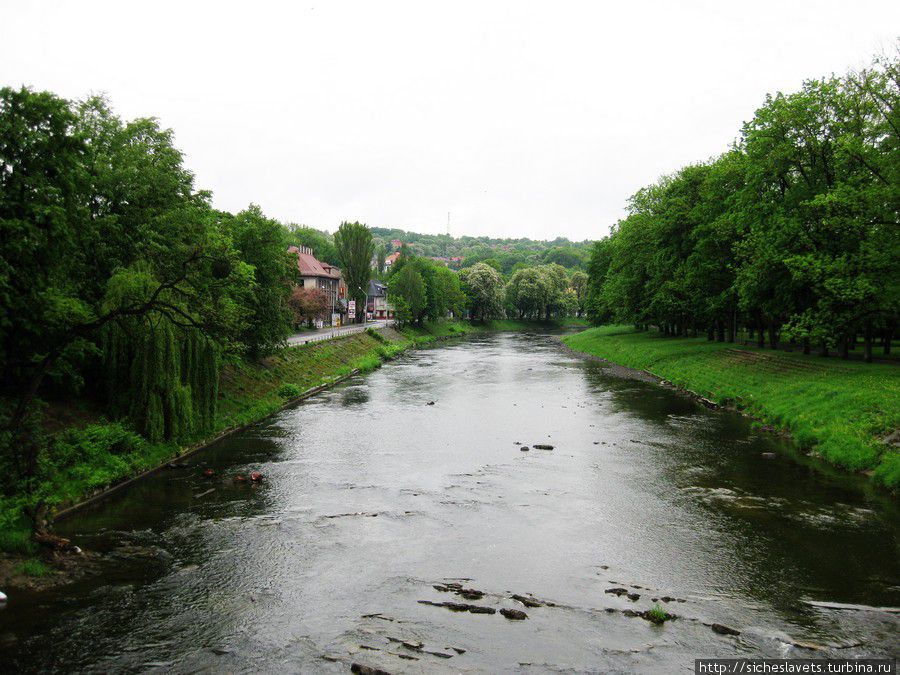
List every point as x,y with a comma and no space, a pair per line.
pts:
392,258
310,267
376,288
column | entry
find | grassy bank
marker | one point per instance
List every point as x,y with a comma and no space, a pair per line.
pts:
838,409
94,453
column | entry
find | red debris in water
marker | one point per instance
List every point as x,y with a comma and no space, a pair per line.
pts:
208,472
256,476
240,479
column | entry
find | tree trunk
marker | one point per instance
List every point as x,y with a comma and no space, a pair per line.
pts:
773,336
888,338
760,337
845,345
710,333
868,343
823,349
806,346
720,331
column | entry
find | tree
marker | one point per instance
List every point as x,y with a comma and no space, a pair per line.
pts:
262,244
355,249
307,304
578,282
108,254
407,290
483,286
321,243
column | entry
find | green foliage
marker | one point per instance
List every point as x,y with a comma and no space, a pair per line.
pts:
289,390
375,334
407,292
33,567
483,288
502,254
112,264
321,243
793,233
355,249
262,245
839,410
657,614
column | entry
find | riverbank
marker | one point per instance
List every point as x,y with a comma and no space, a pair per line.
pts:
839,410
101,456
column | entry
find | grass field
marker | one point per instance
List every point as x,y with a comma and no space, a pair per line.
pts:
838,409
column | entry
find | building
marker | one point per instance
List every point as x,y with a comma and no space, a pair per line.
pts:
391,259
317,274
396,244
377,305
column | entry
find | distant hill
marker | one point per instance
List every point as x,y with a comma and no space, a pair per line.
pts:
510,253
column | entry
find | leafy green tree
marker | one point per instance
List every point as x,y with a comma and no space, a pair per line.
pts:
578,282
408,292
321,243
262,244
483,287
355,249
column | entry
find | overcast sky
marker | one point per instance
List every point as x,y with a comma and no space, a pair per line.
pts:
533,119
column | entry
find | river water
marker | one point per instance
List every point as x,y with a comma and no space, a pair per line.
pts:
372,497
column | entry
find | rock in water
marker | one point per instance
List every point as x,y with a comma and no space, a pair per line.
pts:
2,597
514,614
367,670
724,630
542,446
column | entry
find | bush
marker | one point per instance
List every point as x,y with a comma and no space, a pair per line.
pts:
289,390
33,568
375,334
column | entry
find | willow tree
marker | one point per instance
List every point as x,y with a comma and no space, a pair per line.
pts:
355,249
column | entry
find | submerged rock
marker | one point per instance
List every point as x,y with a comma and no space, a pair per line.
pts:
460,607
524,448
617,591
360,669
514,614
724,630
542,446
525,600
657,617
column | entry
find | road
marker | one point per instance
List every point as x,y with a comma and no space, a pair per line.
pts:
329,333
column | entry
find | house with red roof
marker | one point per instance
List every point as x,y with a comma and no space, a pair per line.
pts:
391,259
317,274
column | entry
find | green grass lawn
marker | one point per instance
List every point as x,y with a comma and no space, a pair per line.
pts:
838,409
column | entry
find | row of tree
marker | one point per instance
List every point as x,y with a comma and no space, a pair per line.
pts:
793,234
421,289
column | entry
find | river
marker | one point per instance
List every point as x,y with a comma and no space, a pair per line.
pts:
372,497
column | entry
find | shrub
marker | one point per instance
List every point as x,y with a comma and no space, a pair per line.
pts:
33,568
289,390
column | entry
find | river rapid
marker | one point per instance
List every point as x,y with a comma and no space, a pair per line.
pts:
375,500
